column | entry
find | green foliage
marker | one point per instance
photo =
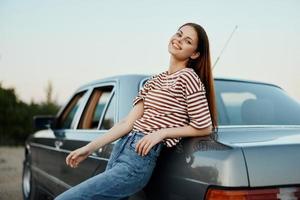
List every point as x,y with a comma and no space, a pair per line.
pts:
16,117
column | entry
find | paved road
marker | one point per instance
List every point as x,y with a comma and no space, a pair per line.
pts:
11,159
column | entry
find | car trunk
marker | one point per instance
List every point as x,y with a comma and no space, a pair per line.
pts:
272,154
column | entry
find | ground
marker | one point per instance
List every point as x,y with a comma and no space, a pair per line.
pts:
11,162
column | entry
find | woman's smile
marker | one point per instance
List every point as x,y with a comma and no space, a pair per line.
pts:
176,46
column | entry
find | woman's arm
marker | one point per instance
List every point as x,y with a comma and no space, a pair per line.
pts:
146,143
186,131
118,130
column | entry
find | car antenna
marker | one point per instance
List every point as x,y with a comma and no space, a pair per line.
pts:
218,58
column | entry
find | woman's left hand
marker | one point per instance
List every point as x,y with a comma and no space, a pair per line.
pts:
145,144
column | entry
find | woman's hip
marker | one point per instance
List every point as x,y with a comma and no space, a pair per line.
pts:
126,146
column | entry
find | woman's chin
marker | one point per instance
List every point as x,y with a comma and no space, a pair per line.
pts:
172,51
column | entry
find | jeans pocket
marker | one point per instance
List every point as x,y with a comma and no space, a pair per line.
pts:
154,151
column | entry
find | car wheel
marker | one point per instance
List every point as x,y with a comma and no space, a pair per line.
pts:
30,191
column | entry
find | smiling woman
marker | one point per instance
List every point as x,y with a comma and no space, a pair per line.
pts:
176,103
185,41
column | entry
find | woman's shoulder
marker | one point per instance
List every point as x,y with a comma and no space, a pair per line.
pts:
190,74
191,79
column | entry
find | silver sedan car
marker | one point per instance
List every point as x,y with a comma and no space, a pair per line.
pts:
255,154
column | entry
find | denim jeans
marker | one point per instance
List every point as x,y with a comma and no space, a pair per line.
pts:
126,173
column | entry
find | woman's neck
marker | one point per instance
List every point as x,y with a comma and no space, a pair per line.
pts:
176,65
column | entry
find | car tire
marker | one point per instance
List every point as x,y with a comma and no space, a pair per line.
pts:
29,189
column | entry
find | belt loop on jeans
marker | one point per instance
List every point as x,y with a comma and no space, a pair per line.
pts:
130,133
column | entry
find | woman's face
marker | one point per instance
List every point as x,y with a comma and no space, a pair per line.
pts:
183,43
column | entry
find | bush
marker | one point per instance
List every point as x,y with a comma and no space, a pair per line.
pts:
16,117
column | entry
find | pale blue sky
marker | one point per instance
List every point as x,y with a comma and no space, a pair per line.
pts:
74,42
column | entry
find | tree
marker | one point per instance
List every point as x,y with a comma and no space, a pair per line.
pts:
49,92
50,106
16,118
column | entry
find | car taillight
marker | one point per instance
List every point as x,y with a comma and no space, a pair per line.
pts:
290,193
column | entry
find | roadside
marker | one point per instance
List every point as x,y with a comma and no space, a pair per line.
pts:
11,159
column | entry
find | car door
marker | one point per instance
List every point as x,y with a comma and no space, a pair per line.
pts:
49,143
99,108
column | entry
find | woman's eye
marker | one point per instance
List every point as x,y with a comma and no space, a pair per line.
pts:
189,42
178,34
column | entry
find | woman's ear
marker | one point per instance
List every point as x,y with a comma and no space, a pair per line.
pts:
195,55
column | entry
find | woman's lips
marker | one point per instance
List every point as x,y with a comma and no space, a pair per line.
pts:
176,46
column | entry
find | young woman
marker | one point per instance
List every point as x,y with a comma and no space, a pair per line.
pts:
176,103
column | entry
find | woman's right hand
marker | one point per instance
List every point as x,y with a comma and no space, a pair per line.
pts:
78,155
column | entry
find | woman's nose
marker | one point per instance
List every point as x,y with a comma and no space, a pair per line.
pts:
179,40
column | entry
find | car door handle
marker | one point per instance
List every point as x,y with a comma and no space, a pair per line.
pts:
98,152
58,144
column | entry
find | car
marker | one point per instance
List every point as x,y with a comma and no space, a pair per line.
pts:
255,154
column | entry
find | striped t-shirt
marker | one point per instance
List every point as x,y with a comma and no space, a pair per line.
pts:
173,100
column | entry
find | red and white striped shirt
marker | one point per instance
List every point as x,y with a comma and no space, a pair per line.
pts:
173,100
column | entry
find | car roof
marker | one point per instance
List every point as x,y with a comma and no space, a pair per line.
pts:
245,81
143,76
114,78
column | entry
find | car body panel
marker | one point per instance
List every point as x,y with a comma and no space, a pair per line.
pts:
200,162
246,136
234,157
273,147
278,165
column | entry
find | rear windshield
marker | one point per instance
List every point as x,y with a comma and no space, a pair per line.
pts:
247,103
244,103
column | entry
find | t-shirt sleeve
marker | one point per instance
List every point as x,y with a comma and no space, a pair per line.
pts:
197,105
143,92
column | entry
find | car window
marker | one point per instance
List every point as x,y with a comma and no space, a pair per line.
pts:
95,108
234,103
109,117
246,103
65,119
249,103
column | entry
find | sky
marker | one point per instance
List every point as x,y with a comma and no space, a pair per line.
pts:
73,42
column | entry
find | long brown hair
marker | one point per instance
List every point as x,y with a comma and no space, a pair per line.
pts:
202,66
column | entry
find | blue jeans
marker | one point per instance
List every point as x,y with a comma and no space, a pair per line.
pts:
126,173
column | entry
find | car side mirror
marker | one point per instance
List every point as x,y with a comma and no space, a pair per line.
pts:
43,122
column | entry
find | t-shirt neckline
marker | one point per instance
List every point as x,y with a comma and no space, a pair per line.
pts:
166,72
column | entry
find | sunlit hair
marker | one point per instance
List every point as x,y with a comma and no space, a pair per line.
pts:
202,66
